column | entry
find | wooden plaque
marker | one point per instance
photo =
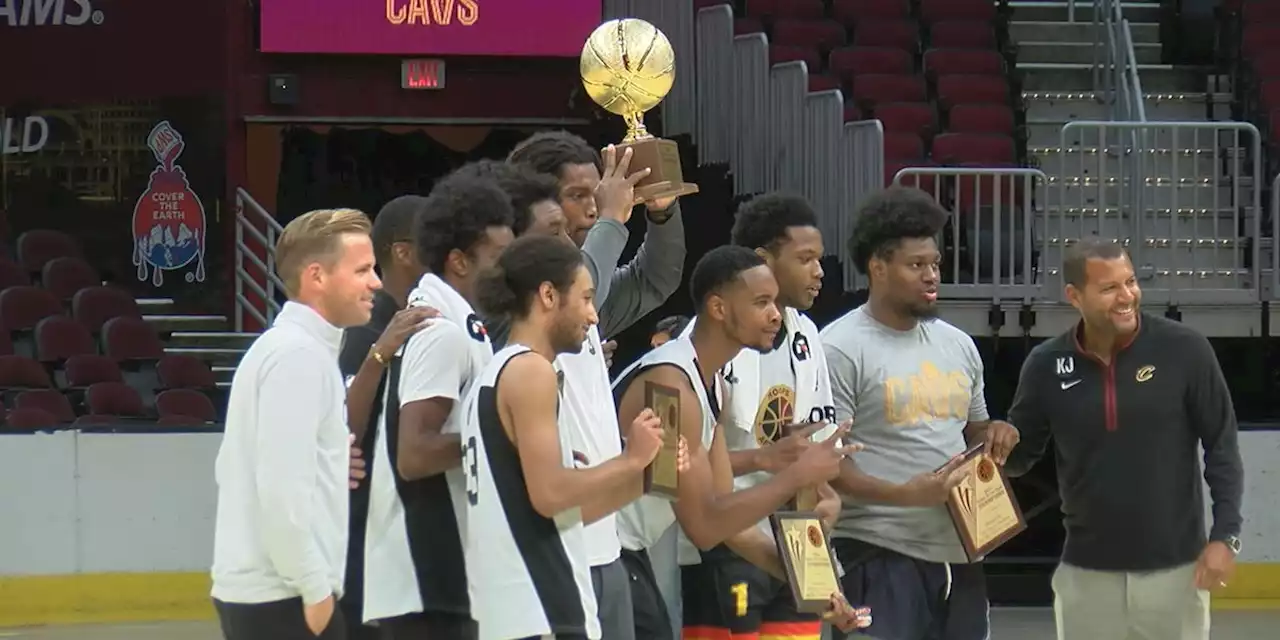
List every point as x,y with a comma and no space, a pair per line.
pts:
983,508
662,157
807,557
662,477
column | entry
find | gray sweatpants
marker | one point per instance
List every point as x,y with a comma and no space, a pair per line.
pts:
1115,605
613,599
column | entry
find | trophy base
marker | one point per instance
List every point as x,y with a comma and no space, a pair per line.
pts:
666,177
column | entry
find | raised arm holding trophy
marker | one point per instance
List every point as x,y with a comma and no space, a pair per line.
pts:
627,68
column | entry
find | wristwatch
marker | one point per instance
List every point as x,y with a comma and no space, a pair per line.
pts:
378,357
1233,543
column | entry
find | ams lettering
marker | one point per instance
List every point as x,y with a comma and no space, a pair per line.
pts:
429,12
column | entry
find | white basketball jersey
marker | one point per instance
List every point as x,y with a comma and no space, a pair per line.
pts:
642,522
588,411
527,575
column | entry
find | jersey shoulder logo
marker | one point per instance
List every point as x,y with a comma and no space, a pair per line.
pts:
1066,365
476,328
800,347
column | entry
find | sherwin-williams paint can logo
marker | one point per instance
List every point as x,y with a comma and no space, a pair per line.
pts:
49,13
168,220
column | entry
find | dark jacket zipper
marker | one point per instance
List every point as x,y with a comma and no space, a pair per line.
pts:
1109,395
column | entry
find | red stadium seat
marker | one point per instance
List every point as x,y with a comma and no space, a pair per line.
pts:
21,308
93,307
962,34
185,372
12,275
823,34
47,400
1259,39
747,25
175,420
809,55
17,372
908,117
786,8
823,82
980,118
900,34
852,113
903,146
186,402
114,399
943,62
1270,93
64,276
38,246
30,419
88,369
957,148
131,339
849,61
1261,12
879,88
851,12
60,337
939,10
970,89
6,344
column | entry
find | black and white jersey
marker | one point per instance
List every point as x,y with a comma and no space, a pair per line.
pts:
642,522
528,575
415,529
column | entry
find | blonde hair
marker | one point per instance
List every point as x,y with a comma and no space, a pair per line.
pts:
313,237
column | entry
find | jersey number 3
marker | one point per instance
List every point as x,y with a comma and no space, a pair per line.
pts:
469,466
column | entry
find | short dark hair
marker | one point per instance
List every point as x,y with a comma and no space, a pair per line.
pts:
549,151
672,325
889,217
524,186
394,223
1088,248
762,222
507,288
718,268
456,215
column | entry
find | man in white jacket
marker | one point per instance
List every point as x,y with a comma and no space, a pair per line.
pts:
280,537
779,403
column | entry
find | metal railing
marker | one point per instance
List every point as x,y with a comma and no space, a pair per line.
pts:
256,234
1115,64
1274,293
992,249
676,20
1185,203
774,134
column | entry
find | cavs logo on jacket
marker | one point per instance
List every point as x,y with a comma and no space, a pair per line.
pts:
476,329
800,347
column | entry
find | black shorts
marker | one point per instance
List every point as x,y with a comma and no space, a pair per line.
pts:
913,599
653,621
429,624
280,620
725,596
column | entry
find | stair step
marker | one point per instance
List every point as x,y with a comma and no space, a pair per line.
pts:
1150,212
214,355
1081,52
1078,77
223,373
1145,12
226,339
1024,31
170,323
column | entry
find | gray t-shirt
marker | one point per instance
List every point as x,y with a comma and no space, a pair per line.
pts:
910,394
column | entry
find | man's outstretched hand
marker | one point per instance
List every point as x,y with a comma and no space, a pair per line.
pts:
845,616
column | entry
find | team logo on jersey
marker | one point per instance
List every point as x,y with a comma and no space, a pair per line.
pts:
776,413
476,329
1145,373
168,219
800,347
727,373
1066,366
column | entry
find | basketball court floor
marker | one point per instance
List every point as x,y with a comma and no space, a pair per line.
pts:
1007,624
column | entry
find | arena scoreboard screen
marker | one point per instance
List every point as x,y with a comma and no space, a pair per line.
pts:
428,27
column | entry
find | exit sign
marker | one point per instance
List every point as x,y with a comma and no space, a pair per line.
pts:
422,73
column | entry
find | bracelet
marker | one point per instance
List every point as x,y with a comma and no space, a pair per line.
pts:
377,356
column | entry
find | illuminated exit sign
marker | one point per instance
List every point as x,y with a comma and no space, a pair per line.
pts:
422,73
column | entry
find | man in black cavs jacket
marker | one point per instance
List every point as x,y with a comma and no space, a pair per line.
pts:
1126,398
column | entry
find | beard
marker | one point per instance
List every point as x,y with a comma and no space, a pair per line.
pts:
566,336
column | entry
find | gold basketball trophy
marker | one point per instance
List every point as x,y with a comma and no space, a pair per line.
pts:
627,68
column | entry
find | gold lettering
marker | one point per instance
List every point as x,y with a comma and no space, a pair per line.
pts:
395,14
468,12
442,10
926,396
418,11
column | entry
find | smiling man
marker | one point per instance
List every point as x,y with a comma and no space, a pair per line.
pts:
1126,398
